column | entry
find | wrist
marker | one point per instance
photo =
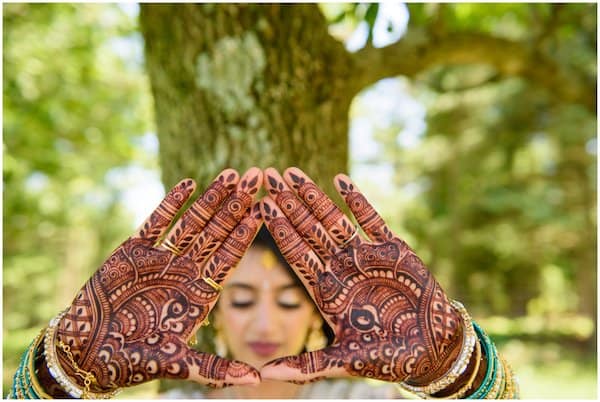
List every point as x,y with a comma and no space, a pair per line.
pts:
45,378
63,368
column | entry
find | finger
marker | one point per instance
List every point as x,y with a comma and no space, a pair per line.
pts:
368,219
226,217
299,215
214,371
337,224
159,221
231,251
195,218
306,367
303,260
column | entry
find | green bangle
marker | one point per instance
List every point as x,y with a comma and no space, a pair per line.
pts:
25,384
492,364
22,381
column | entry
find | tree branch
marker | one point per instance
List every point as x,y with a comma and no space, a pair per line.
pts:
418,51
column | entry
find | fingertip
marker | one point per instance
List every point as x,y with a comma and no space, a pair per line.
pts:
228,172
251,181
239,373
188,185
278,370
254,171
270,170
228,177
273,181
343,184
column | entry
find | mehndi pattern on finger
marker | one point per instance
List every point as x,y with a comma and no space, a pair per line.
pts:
391,319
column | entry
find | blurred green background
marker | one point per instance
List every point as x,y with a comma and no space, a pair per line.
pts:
491,179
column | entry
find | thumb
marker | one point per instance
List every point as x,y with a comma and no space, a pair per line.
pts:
214,371
306,367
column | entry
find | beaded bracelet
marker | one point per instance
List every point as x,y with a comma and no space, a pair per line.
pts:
461,363
60,376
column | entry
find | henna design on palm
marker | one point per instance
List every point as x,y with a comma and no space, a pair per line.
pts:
391,318
131,321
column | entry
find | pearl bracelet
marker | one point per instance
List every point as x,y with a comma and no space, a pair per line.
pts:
57,372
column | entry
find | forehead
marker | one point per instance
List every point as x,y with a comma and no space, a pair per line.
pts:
258,265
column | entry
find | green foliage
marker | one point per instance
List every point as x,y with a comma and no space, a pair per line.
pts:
72,108
497,194
505,174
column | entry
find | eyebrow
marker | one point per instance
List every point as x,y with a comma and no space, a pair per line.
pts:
239,285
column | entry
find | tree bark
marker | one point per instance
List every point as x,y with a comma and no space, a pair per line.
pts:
247,85
419,50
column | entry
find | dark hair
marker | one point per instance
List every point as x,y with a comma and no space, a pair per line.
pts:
265,239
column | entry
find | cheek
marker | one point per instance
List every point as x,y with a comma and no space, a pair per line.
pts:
298,325
233,321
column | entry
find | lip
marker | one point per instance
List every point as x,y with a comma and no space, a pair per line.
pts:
263,348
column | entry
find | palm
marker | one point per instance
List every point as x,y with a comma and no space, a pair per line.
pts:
391,319
131,321
138,315
378,296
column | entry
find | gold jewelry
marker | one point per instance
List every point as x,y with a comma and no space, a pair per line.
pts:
268,260
461,363
38,389
354,234
511,385
60,376
193,341
316,339
495,390
171,247
463,390
212,284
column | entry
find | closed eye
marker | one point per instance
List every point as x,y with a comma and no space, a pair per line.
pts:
289,306
242,305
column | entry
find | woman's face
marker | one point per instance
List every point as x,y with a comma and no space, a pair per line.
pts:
262,314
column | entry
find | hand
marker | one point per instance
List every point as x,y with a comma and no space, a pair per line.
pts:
391,319
131,321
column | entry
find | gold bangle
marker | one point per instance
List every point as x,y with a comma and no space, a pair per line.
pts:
461,363
511,386
38,389
212,283
463,390
55,369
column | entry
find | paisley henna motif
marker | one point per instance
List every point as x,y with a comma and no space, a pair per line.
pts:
391,318
130,322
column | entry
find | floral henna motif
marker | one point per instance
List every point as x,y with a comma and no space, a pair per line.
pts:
130,322
391,318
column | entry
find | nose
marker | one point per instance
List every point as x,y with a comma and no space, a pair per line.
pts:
266,316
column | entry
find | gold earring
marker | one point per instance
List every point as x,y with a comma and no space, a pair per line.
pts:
220,345
193,341
316,338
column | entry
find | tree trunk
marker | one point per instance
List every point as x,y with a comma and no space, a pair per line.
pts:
247,85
